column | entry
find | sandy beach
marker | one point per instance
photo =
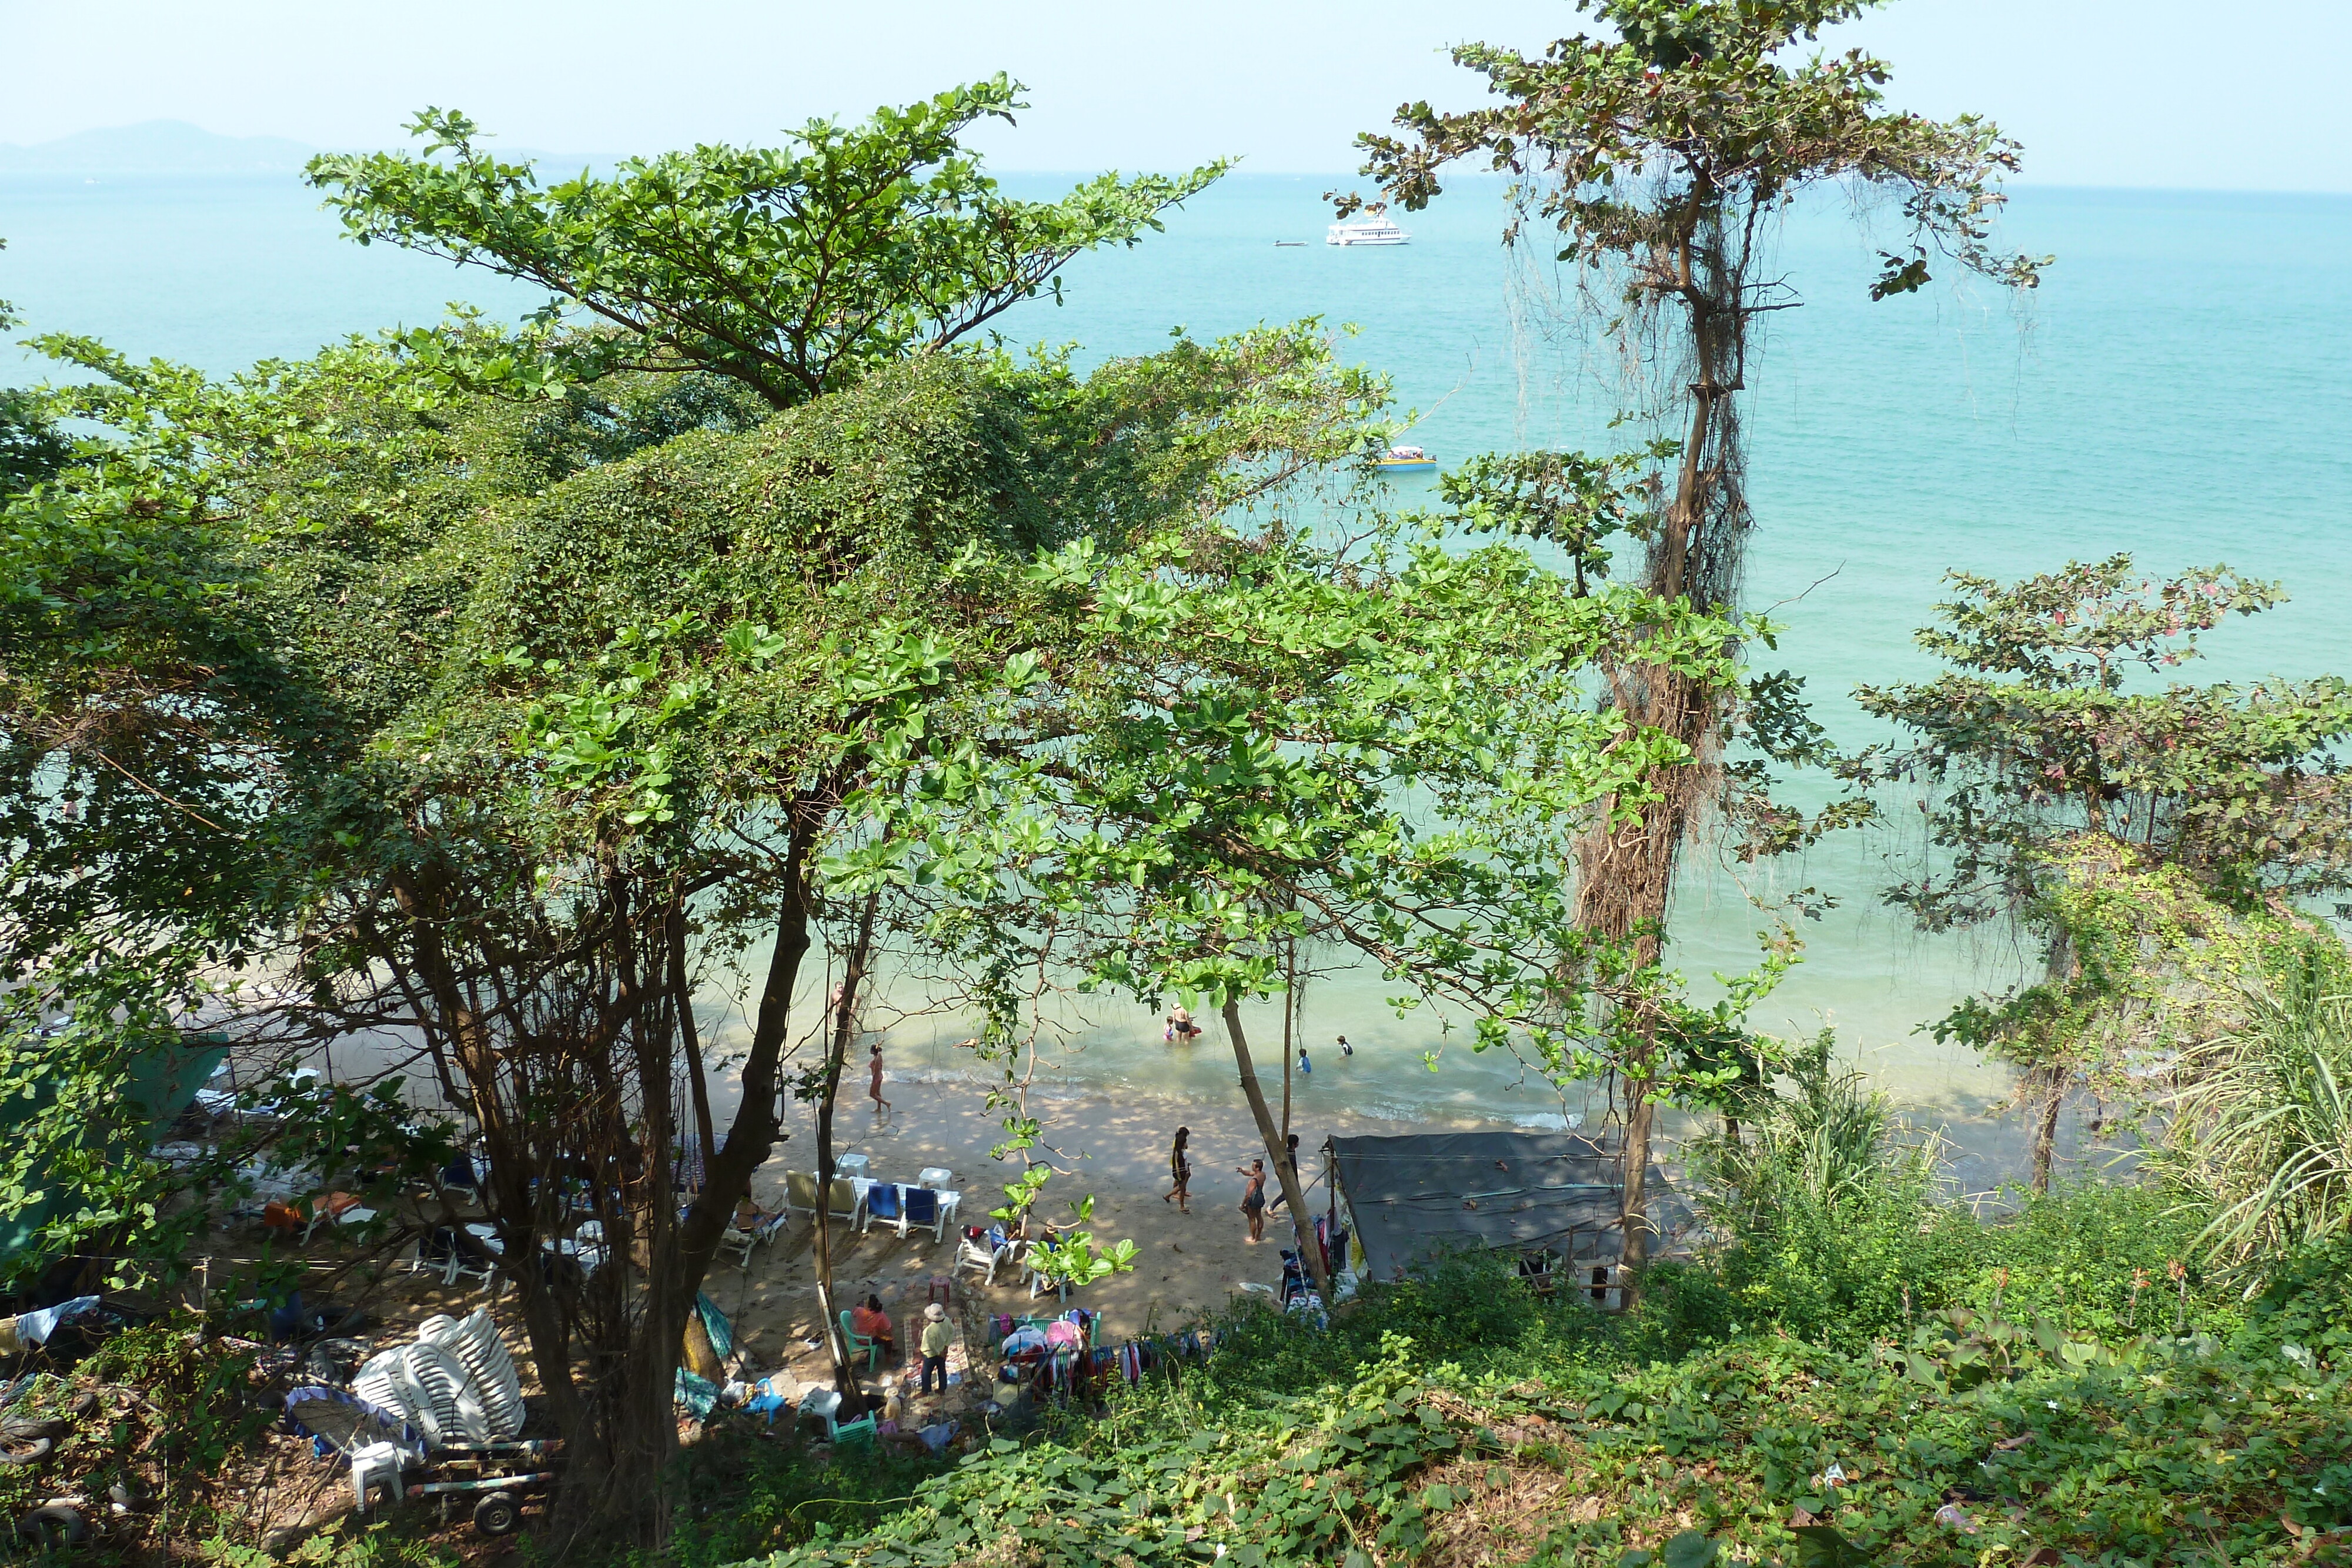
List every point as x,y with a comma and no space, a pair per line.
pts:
1116,1150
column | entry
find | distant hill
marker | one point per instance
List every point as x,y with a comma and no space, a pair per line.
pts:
176,147
157,147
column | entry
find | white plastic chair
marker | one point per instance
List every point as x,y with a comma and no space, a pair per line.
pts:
490,1370
443,1377
384,1381
983,1259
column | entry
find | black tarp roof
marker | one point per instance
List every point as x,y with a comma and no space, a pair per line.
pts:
1419,1194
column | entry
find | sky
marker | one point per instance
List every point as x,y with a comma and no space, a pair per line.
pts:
2205,95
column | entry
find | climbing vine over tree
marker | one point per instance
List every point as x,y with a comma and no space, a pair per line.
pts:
1659,158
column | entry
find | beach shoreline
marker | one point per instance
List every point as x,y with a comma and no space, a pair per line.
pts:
1114,1150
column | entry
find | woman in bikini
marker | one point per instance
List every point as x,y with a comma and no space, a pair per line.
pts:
1179,1168
1253,1199
874,1089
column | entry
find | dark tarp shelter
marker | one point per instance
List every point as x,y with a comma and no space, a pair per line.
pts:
162,1084
1420,1194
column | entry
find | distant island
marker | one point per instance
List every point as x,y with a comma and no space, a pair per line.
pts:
157,147
176,147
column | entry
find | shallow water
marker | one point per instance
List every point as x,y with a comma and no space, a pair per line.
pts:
2176,389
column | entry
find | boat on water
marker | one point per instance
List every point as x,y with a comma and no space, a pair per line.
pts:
1372,228
1406,460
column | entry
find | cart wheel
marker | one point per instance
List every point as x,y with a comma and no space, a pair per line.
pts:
501,1513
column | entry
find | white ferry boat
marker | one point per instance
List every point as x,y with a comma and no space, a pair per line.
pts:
1372,228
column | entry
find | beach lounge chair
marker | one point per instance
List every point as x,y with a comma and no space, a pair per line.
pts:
800,1193
847,1203
740,1240
985,1257
859,1345
882,1203
439,1252
924,1212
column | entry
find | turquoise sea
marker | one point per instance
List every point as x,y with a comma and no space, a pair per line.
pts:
2178,388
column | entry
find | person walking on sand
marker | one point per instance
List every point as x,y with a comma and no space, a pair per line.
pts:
875,1088
1254,1200
936,1337
1180,1170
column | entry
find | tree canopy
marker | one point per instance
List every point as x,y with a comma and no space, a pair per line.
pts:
793,270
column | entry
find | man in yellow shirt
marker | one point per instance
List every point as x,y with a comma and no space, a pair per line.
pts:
936,1337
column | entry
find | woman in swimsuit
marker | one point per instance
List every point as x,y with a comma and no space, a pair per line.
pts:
1179,1168
1253,1199
874,1089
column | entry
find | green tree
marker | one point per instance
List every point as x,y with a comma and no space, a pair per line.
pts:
496,732
2149,839
32,448
793,270
1662,158
1242,738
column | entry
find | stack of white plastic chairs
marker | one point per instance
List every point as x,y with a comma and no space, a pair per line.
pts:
474,1341
456,1384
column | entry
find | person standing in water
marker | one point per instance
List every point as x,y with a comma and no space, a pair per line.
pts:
1305,1068
874,1089
1180,1170
1345,1049
1254,1200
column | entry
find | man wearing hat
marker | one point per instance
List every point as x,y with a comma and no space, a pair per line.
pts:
936,1337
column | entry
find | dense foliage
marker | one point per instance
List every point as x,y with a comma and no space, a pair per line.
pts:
1461,1419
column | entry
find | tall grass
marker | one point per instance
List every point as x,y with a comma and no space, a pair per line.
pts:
2262,1128
1832,1142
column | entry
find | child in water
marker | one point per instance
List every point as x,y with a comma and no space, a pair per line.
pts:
1305,1066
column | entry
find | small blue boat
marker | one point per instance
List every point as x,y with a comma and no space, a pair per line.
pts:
1407,460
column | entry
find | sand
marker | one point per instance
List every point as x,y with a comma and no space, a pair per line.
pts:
1186,1263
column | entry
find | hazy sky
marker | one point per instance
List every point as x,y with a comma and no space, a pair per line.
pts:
2130,92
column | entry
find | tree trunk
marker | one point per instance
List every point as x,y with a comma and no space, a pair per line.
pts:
1289,995
844,1376
2045,1131
1626,870
1627,879
689,1038
1302,1223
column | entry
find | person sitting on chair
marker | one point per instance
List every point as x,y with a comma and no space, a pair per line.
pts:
872,1321
755,1221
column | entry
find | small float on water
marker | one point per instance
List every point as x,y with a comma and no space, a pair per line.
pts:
1372,228
1405,460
